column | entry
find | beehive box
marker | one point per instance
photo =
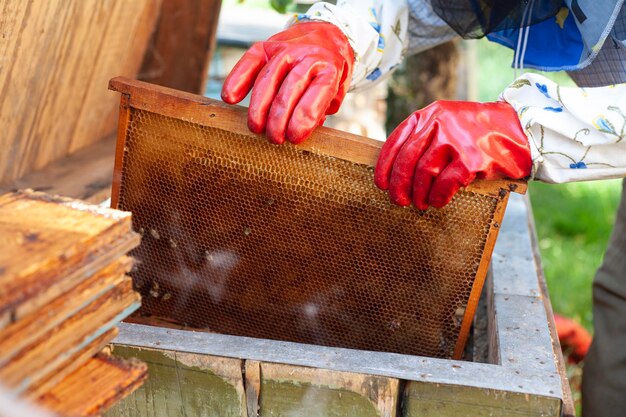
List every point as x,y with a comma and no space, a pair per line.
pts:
512,367
292,243
522,374
56,56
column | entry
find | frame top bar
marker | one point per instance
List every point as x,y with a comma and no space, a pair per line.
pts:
214,113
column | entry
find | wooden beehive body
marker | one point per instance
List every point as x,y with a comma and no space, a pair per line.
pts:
513,367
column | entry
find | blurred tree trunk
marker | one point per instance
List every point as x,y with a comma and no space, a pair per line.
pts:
182,45
422,78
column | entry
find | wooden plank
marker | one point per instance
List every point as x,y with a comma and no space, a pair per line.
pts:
36,362
85,175
523,373
30,328
213,386
519,311
439,400
70,365
93,388
184,384
182,45
57,58
122,127
208,112
27,304
480,330
253,386
493,350
122,50
59,253
297,391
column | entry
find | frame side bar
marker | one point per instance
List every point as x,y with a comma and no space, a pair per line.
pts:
479,279
122,128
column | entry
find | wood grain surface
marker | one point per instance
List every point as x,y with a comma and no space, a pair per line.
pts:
197,385
31,327
85,175
57,57
63,291
50,244
47,354
109,380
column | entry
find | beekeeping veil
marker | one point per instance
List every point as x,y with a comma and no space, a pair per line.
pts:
477,18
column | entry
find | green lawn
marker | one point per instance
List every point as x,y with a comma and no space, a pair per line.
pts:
494,70
573,221
260,4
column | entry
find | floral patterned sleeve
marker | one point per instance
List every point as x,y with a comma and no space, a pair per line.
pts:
575,134
376,30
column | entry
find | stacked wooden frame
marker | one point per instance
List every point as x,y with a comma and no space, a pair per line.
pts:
63,290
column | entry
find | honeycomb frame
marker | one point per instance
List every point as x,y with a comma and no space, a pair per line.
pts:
202,138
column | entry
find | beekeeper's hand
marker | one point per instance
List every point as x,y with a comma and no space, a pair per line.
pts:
297,77
447,145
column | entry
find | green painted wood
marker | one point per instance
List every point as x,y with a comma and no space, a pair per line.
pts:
183,385
292,399
423,399
296,391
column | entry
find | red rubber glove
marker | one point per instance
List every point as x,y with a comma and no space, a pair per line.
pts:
299,75
447,145
575,339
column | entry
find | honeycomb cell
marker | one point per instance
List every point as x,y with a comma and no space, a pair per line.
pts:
246,238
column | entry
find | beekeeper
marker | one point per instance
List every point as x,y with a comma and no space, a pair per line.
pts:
536,130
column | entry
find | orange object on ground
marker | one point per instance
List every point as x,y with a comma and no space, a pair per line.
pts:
574,338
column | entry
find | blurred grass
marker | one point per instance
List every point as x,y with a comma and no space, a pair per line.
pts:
282,6
574,221
259,4
494,70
